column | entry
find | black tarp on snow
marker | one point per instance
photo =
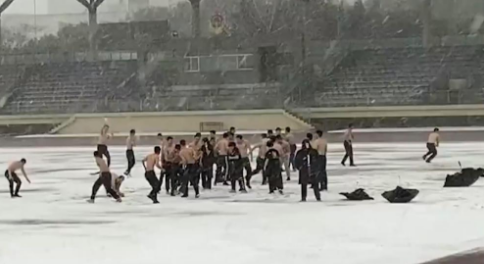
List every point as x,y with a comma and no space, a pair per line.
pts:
465,178
400,195
357,195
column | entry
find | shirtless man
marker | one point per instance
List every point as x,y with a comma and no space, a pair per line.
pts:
165,172
289,137
348,144
188,160
321,146
130,143
149,163
12,177
243,147
278,131
197,143
104,178
285,150
173,167
102,147
432,144
222,163
116,182
262,146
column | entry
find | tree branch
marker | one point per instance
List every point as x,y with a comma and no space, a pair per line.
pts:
98,3
85,3
5,5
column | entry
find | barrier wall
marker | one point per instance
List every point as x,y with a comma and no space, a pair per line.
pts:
167,122
392,111
248,120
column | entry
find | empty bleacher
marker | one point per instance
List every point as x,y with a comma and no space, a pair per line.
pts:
396,76
68,87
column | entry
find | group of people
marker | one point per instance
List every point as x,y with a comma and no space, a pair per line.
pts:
182,165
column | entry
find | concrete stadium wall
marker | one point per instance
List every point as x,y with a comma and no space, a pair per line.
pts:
183,121
391,111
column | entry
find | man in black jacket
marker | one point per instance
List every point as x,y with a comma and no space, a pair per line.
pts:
236,167
207,161
272,169
306,162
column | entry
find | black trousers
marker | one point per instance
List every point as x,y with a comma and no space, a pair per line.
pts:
349,153
274,176
104,179
221,174
237,177
131,160
165,174
322,176
154,183
431,153
174,173
11,180
292,156
259,167
305,178
103,150
207,175
248,169
190,176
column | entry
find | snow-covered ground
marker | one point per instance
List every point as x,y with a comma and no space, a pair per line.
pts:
53,224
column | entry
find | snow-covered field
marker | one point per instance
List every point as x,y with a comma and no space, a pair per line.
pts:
53,224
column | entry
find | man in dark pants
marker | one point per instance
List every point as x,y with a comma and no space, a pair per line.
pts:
307,164
321,146
432,144
348,144
221,147
236,167
166,148
262,146
272,169
149,163
130,143
12,177
207,161
104,179
188,159
174,171
289,137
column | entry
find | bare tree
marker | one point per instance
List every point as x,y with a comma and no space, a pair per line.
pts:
92,6
3,7
195,18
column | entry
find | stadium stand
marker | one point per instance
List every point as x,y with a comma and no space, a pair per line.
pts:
398,76
69,86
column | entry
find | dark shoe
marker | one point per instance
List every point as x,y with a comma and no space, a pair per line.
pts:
17,196
342,163
184,196
197,196
352,165
303,200
243,191
225,184
89,201
288,179
281,192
